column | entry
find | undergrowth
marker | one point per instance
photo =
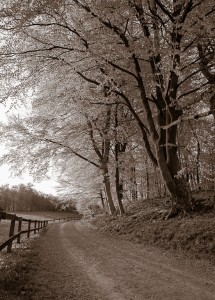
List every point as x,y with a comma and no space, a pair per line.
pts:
143,223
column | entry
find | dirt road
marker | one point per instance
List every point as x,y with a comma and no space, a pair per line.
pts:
76,262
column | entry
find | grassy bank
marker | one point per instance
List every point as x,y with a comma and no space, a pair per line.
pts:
192,236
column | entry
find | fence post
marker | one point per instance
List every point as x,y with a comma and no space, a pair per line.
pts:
19,229
35,226
29,227
11,233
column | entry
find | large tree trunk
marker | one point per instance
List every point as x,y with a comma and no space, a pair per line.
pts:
176,185
212,104
119,191
170,167
108,190
147,178
119,148
103,201
133,183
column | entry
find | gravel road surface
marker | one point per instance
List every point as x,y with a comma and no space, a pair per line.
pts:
75,261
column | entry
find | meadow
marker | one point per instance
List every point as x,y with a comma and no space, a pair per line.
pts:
39,215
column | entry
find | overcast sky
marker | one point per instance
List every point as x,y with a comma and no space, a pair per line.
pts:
45,186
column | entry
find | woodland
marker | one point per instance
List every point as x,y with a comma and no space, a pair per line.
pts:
25,198
115,97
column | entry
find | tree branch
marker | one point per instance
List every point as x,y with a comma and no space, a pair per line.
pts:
164,10
93,140
40,50
107,24
189,118
70,149
87,78
63,26
121,69
193,90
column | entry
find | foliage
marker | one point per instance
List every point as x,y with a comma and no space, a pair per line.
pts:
25,198
115,88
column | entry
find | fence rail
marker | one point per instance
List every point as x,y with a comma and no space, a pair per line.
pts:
38,225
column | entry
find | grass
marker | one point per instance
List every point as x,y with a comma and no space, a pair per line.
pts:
41,215
5,224
14,271
4,230
192,236
16,266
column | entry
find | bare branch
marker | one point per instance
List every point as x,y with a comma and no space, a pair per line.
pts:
192,74
40,50
107,24
194,90
165,10
87,78
71,150
121,69
66,26
189,118
93,140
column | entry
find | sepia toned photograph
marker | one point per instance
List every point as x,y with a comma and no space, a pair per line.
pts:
107,149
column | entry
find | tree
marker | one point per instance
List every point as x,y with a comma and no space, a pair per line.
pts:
138,54
164,105
24,198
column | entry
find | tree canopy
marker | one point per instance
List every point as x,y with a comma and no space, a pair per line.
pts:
121,90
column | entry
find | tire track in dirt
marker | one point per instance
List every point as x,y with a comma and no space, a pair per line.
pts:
76,262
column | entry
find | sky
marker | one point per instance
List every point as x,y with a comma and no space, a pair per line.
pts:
45,186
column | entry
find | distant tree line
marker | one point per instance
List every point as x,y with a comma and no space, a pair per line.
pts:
26,198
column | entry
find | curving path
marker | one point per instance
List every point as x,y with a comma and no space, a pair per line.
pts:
76,262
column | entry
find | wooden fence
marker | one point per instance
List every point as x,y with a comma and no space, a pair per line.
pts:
37,225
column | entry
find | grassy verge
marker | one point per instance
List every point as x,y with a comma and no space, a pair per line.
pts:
193,236
41,215
14,270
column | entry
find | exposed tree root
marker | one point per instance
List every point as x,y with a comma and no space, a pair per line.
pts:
179,211
172,214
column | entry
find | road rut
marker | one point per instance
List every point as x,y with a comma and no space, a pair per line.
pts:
74,261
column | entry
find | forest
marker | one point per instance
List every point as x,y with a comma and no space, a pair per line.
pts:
25,198
115,97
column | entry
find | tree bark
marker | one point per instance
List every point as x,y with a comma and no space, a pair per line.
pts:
175,183
108,190
147,179
133,184
102,200
120,147
119,191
